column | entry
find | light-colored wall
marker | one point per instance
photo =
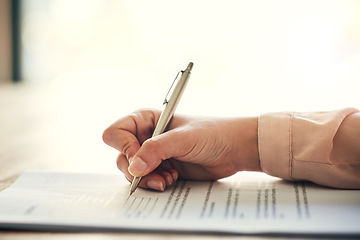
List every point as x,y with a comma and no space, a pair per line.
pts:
249,56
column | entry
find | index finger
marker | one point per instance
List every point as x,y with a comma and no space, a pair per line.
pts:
128,133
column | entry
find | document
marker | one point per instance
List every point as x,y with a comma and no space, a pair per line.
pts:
246,203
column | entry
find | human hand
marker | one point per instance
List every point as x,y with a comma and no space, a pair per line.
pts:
192,148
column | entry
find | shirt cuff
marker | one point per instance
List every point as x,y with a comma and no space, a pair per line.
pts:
274,136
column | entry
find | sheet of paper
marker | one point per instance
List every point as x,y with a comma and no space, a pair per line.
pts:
245,203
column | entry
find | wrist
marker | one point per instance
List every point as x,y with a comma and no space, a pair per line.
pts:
245,144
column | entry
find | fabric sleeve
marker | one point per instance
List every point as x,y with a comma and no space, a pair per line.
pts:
297,146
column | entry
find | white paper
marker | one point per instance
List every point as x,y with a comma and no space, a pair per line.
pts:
244,203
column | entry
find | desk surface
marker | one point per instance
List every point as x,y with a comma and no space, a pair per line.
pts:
43,128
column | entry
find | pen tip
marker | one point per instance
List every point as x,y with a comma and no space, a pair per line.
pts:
130,193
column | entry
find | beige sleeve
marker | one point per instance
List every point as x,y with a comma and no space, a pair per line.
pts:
297,146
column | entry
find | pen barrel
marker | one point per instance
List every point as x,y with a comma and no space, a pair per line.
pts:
168,112
173,102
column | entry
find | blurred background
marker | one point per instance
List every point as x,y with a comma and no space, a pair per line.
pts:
85,63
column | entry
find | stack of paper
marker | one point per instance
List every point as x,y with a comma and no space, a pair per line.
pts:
244,203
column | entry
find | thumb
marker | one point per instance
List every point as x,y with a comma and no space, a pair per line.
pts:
157,149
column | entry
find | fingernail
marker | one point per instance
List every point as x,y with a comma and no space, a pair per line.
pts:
168,180
155,184
137,167
174,174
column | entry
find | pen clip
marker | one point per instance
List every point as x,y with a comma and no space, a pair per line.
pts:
171,87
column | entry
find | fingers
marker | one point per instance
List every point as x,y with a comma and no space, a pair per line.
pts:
154,151
161,178
140,154
123,165
128,133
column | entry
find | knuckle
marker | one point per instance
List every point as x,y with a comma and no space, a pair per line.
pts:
127,148
108,135
141,113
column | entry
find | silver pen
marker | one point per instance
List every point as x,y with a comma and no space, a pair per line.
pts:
168,112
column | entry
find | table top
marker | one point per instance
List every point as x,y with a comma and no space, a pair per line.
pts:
52,129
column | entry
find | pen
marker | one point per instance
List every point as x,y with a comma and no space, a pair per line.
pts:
168,112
